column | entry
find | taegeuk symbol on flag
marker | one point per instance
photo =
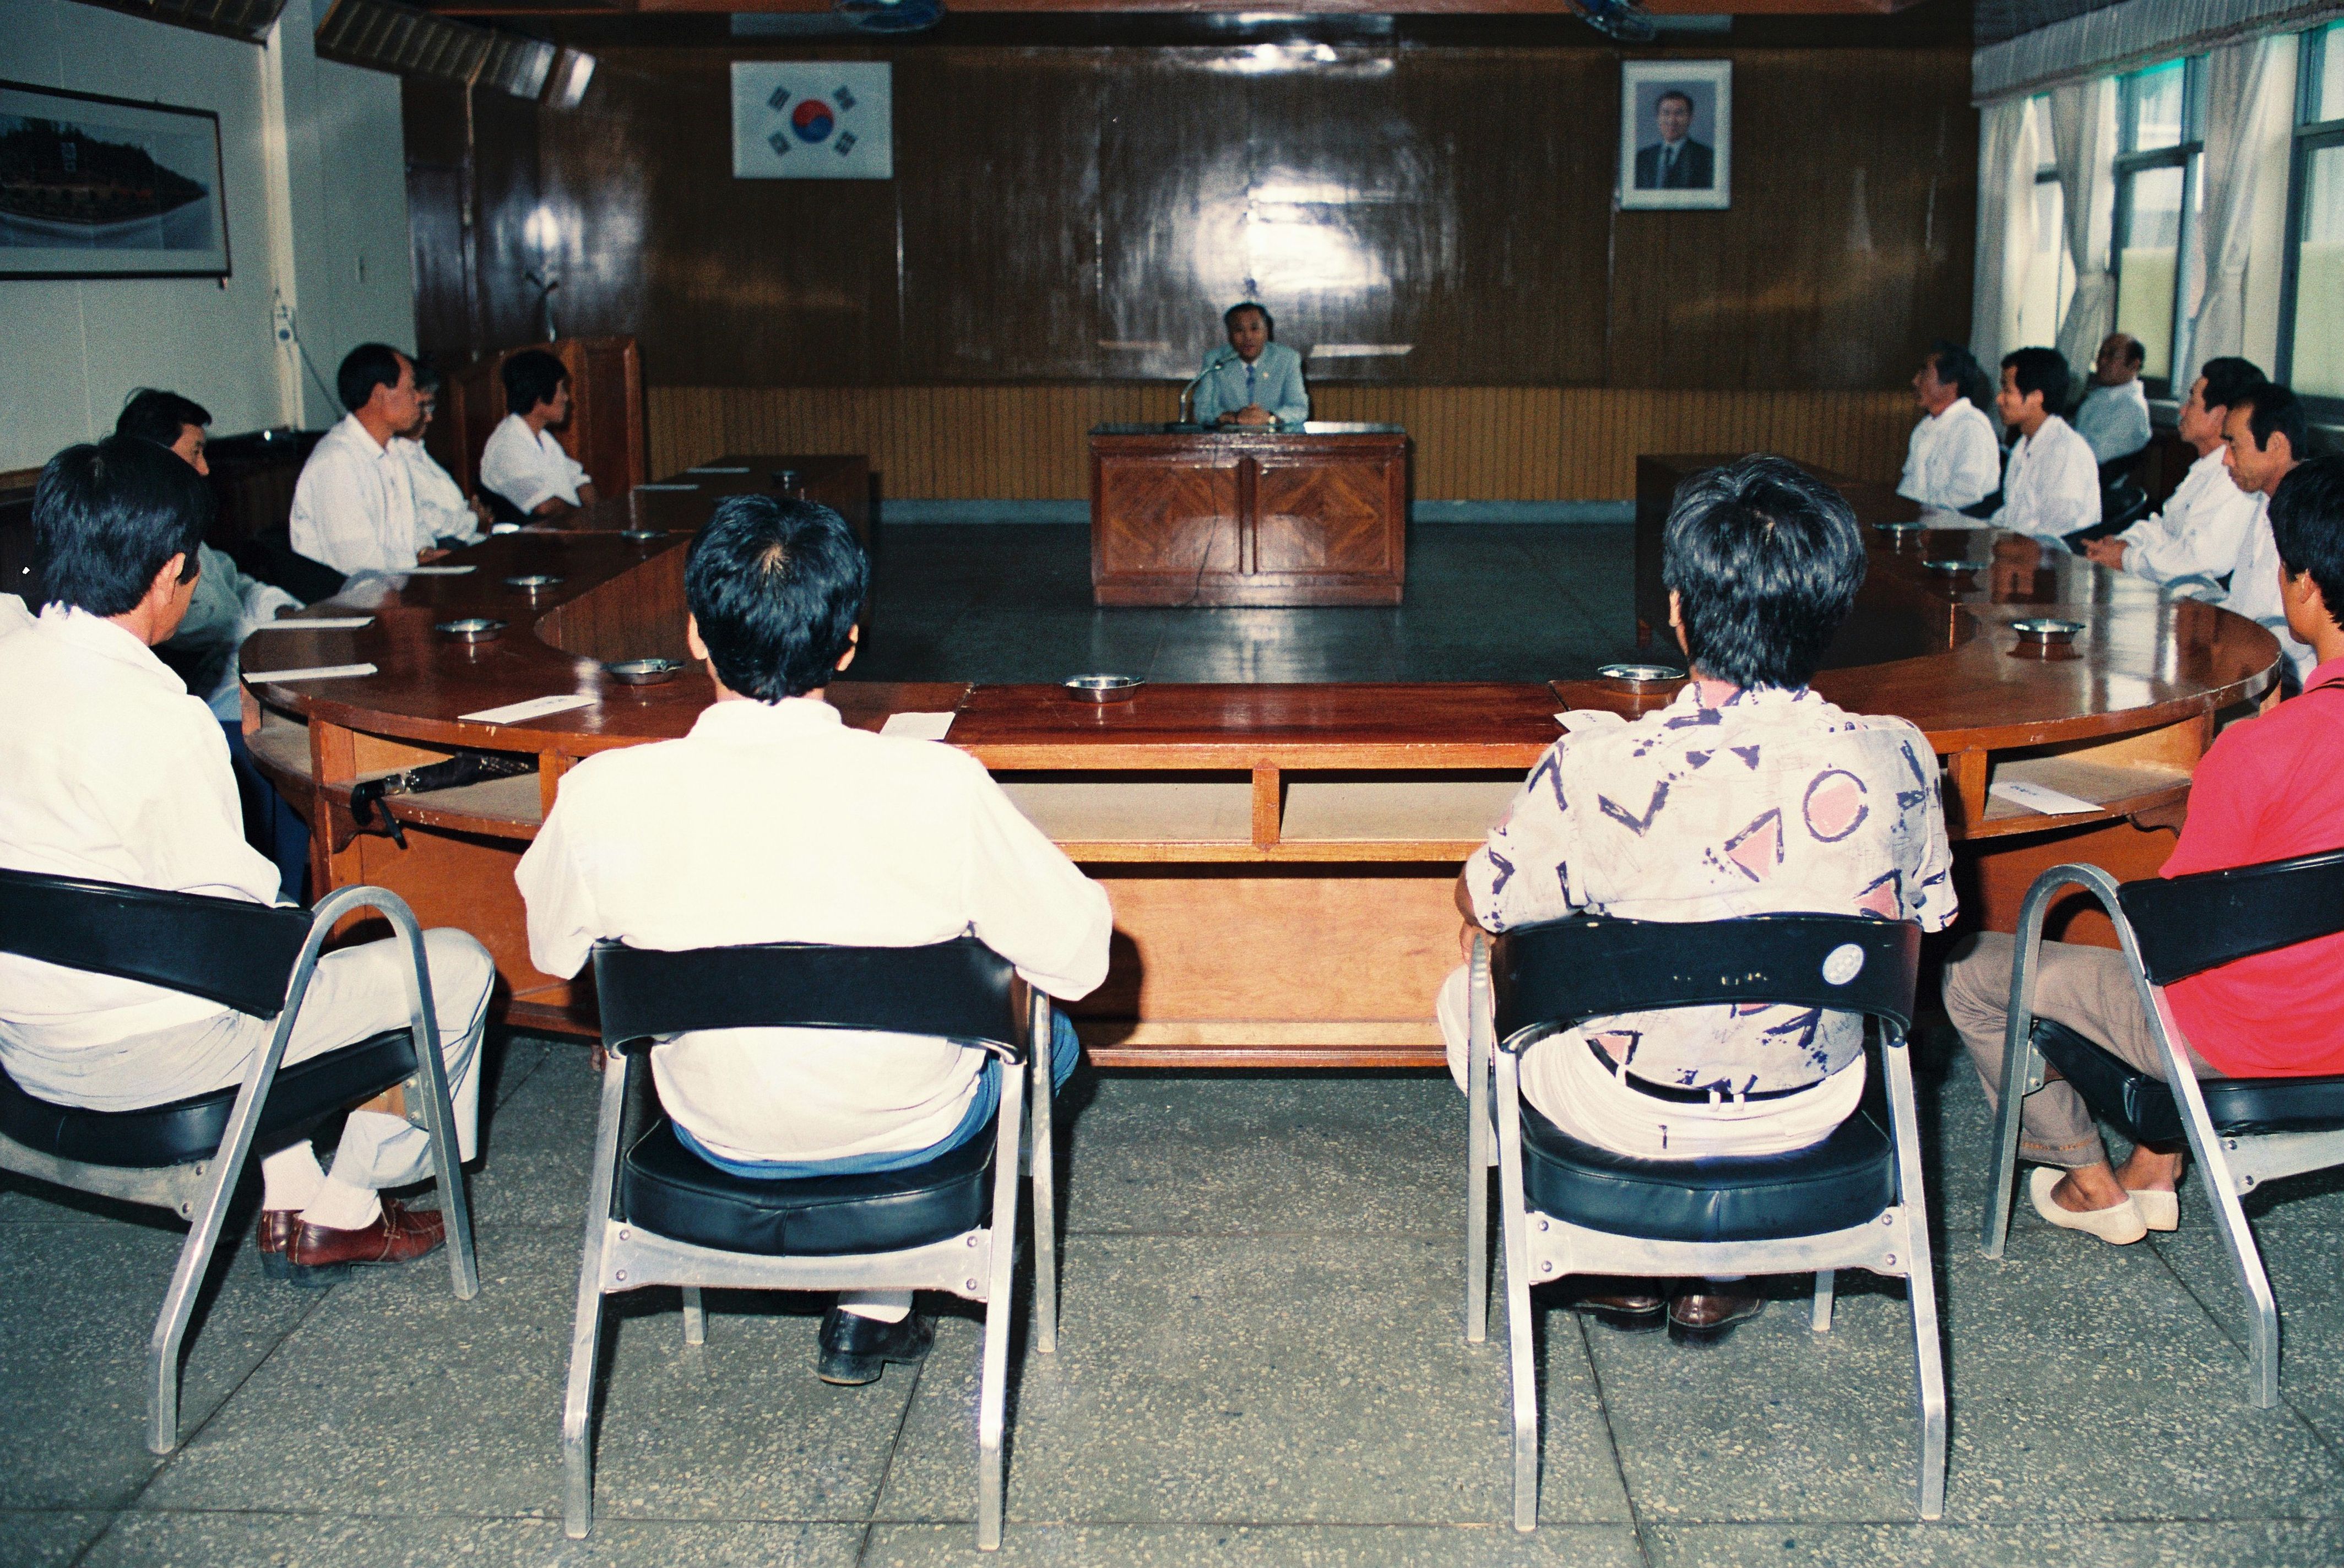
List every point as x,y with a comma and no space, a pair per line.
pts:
812,120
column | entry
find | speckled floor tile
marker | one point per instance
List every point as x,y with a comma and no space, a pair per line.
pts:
78,1302
1269,1154
1261,1546
539,1148
149,1540
2306,1271
46,1539
1242,1379
2128,1544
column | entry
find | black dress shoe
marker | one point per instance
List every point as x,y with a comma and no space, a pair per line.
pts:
856,1349
1706,1316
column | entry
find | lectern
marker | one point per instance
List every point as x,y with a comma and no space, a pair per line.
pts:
1182,515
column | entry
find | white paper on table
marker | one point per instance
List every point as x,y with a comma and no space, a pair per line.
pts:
535,708
310,673
716,471
2040,797
433,570
1588,721
669,486
917,726
318,624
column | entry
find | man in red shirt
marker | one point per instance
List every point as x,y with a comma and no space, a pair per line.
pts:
2268,789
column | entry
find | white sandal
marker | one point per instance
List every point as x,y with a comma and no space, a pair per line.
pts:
2159,1210
2119,1225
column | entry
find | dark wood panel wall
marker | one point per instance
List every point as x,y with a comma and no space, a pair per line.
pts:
1082,215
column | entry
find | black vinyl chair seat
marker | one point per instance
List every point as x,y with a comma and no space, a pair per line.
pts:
2144,1105
666,1188
1770,1197
304,1094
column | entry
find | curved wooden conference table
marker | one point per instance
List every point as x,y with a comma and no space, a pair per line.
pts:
1280,856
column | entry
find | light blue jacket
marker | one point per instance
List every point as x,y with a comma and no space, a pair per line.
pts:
1274,380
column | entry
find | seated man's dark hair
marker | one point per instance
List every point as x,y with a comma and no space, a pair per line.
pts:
2277,411
159,417
2134,353
365,367
2307,522
531,377
1229,317
2230,380
1765,559
107,517
2043,370
1959,369
427,375
775,586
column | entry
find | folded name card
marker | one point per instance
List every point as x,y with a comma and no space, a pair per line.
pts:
433,570
917,726
716,471
317,624
535,708
1588,721
310,673
2040,797
669,486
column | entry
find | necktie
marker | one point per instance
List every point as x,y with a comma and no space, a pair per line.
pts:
1249,386
1668,161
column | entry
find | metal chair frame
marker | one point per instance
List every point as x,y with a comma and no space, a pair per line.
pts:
977,1265
199,1191
1541,1247
2234,1165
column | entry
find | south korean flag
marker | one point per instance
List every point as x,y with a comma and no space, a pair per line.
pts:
812,120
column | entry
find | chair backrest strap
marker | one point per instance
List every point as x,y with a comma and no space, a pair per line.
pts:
1563,971
958,990
227,950
2187,924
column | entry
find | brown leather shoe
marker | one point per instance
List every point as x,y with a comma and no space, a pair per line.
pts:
274,1235
1631,1311
1707,1315
319,1256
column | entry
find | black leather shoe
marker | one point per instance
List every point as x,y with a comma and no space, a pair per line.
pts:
855,1349
1703,1317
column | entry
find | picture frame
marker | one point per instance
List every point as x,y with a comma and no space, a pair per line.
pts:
94,187
1693,170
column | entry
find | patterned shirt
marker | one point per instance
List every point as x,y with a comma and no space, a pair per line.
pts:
1726,802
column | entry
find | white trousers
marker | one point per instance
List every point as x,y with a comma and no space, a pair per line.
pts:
355,993
1562,1080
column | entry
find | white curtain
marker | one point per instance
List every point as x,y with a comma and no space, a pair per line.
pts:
2240,83
2005,228
2083,135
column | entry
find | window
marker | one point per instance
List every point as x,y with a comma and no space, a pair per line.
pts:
2050,271
2161,135
2311,326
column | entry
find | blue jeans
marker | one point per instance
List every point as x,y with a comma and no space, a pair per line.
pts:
1066,1050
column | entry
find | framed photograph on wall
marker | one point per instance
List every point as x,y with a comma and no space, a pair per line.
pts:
107,187
1676,134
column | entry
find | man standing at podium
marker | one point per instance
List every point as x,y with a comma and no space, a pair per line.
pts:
1252,381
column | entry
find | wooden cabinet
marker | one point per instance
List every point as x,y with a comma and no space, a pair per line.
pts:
1314,516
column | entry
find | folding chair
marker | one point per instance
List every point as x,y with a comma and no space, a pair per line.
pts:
657,1214
1852,1202
2243,1132
185,1155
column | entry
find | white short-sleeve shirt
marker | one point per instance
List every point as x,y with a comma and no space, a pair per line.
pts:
354,504
529,468
1952,459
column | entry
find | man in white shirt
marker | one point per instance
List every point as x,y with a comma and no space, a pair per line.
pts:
1953,459
444,514
354,505
523,461
2203,523
2052,486
774,821
2261,442
2113,417
110,771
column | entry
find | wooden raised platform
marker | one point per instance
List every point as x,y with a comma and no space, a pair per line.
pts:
1280,856
1313,516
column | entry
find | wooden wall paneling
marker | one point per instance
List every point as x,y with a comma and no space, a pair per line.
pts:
507,191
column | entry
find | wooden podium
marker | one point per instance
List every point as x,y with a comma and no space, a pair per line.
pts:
1180,516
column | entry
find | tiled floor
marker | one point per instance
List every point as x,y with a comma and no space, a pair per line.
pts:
1261,1365
1011,601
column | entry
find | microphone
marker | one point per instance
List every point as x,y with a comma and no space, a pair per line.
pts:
1189,392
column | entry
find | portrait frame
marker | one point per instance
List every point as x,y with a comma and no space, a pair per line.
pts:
88,223
1708,144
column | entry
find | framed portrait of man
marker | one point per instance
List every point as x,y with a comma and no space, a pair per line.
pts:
1676,134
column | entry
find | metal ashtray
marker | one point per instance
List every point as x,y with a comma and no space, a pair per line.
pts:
1914,526
641,535
2047,633
471,629
1642,675
533,582
1103,688
643,671
1953,564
